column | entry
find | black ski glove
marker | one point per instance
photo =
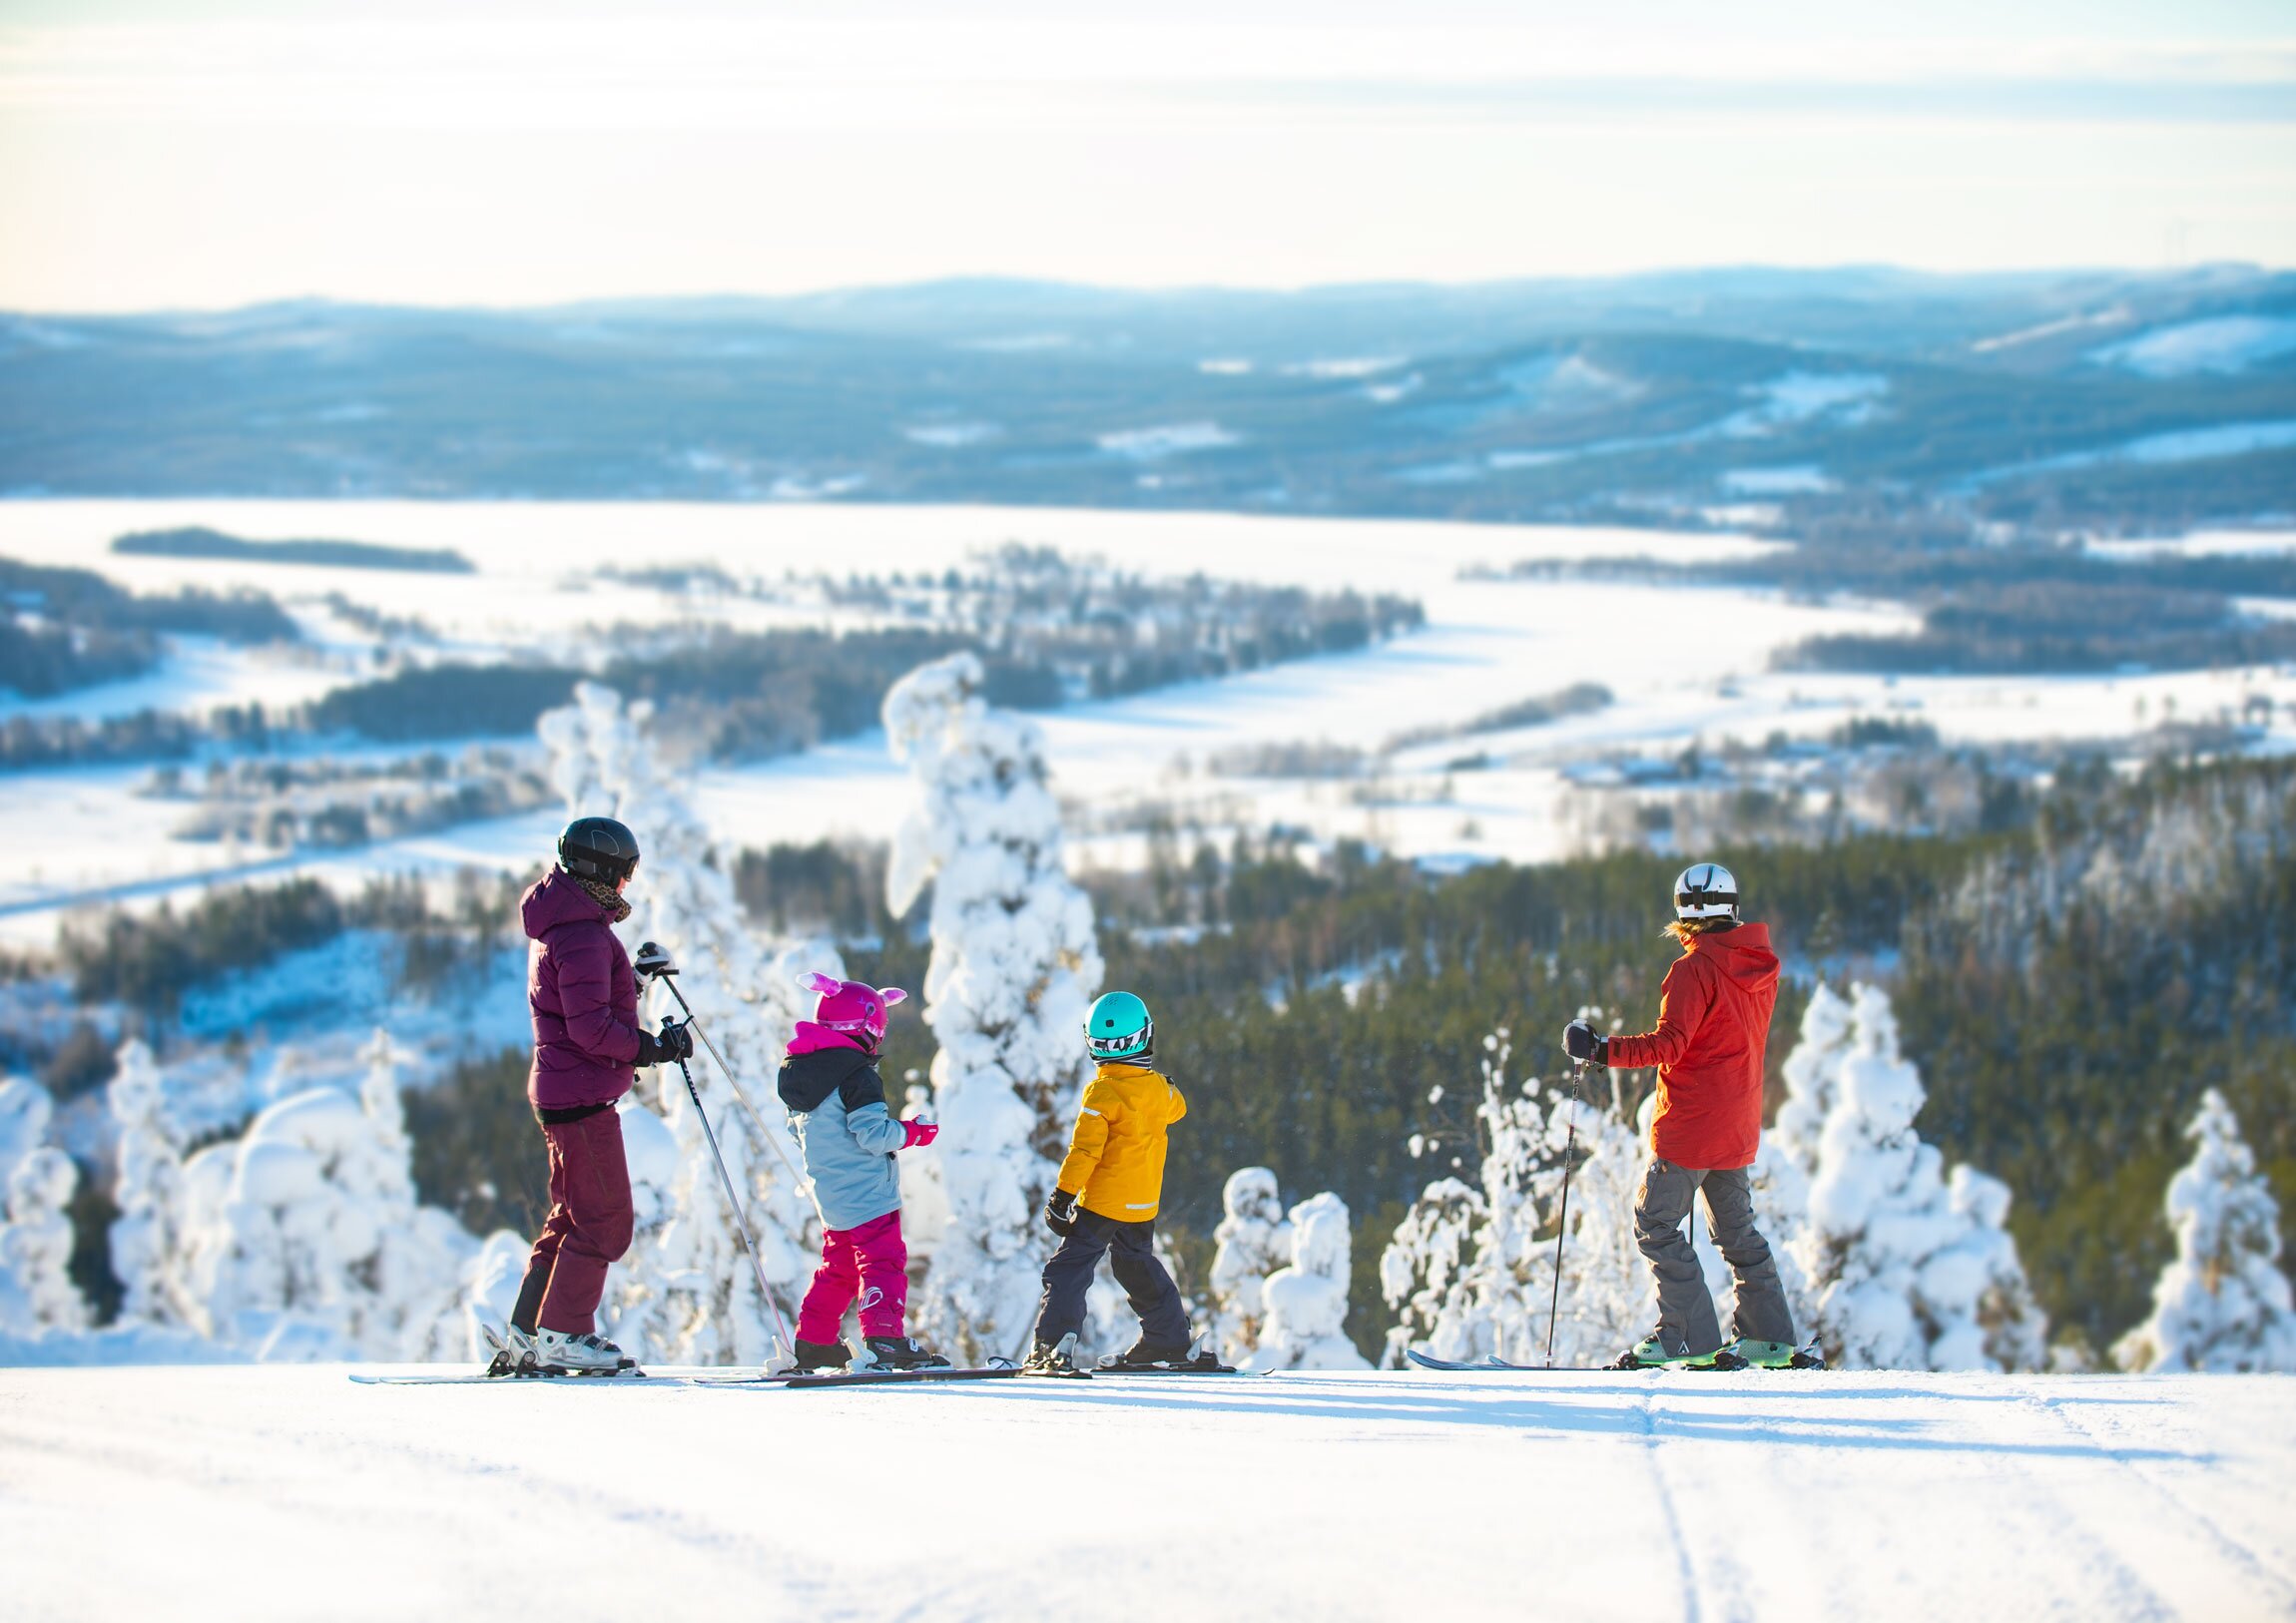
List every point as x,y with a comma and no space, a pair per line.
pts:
676,1041
1060,1213
1584,1044
649,1050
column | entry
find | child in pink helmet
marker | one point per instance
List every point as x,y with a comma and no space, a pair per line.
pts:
836,1102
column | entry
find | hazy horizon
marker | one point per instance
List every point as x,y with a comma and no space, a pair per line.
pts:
1178,289
210,156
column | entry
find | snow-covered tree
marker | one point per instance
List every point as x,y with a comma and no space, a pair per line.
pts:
1910,1271
1470,1269
36,1289
1788,1158
2222,1304
1811,1073
25,1111
1014,967
148,1188
1253,1241
304,1238
686,1293
1307,1302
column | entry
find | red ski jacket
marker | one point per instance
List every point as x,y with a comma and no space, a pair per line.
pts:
1713,1027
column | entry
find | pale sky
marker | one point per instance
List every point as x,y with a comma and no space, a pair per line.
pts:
198,154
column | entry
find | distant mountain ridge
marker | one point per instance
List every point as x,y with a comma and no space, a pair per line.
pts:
2105,399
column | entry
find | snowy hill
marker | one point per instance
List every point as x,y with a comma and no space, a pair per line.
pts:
293,1493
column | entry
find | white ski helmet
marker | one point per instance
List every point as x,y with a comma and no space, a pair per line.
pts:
1706,891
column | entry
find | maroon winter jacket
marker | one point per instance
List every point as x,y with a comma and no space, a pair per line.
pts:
583,994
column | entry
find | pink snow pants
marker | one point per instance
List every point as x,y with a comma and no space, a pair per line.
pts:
871,1262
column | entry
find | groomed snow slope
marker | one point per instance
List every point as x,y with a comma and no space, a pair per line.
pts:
289,1493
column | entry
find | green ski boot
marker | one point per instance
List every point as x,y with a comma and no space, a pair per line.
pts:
1651,1353
1765,1354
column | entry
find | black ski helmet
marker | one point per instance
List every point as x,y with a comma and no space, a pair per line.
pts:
598,848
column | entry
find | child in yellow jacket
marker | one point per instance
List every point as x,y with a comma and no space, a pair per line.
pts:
1109,1189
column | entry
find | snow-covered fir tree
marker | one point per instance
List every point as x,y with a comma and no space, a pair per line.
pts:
148,1188
684,1292
1014,967
1307,1301
37,1293
36,1289
1812,1081
1788,1157
25,1111
1470,1269
1253,1241
1910,1271
2222,1304
302,1238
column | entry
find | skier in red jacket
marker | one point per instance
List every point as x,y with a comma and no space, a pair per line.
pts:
584,999
1713,1025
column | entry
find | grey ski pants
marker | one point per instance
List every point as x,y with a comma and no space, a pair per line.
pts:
1686,1321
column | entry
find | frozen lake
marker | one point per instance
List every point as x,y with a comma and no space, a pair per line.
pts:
1686,665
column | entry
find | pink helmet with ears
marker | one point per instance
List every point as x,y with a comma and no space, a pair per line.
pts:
851,1006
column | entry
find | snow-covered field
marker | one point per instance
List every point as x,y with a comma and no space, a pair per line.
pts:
1688,667
289,1493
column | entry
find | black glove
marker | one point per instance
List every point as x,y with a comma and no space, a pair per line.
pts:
1584,1044
1060,1213
676,1041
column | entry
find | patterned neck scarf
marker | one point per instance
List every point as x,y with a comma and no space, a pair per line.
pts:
604,895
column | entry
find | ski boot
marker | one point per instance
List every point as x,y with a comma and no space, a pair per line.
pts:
557,1354
897,1352
1651,1352
818,1357
1058,1359
513,1350
1184,1359
1774,1355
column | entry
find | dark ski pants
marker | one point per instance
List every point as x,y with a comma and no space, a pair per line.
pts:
588,1228
1068,1275
1686,1321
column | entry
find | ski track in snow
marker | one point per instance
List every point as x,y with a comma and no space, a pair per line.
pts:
289,1493
1692,1612
2263,1574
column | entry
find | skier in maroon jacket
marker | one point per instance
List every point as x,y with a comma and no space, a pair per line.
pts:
587,1038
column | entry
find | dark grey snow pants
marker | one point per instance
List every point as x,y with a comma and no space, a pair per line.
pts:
1147,1286
1686,1321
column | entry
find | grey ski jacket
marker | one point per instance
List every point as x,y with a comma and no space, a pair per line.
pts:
836,1104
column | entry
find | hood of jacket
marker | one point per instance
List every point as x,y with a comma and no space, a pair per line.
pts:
558,900
808,1077
1743,955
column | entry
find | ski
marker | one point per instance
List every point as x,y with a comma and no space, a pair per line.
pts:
897,1377
1201,1362
1492,1365
483,1379
731,1378
1495,1366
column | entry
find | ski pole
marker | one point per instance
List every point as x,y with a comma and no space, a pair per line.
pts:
1562,1220
741,1218
655,964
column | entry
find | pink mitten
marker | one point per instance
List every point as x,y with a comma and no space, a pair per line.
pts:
920,1133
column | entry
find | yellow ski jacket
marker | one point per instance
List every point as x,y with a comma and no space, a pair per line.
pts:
1115,1164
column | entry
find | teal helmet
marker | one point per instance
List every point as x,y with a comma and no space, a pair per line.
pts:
1119,1027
